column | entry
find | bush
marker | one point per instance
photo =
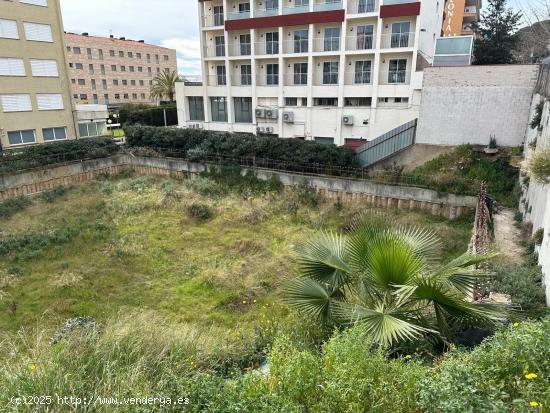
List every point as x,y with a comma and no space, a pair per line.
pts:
199,211
537,117
51,153
538,237
51,196
204,186
538,165
231,179
12,206
148,115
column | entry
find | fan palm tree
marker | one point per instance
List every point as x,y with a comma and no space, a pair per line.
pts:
387,279
164,85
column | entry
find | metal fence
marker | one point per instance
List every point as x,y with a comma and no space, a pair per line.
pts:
543,81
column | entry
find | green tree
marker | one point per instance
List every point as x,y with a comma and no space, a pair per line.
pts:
164,86
388,280
496,33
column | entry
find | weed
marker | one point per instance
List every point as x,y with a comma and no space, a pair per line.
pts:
12,206
51,196
200,211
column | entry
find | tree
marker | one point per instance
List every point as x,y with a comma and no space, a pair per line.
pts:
164,85
496,34
388,280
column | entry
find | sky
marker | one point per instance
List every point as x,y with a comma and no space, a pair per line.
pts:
169,23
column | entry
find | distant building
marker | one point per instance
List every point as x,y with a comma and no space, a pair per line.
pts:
35,99
459,16
111,71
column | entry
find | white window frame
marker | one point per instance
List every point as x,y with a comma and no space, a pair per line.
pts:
28,107
4,29
30,25
13,67
54,137
49,101
43,65
22,143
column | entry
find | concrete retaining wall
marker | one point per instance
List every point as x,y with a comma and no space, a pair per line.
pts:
347,190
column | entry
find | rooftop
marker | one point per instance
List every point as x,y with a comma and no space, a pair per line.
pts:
122,41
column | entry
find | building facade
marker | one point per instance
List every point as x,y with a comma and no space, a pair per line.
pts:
337,72
35,99
111,71
459,16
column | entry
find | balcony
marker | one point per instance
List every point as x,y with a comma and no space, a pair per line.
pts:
296,9
214,51
362,6
397,40
296,46
327,6
395,77
326,44
266,48
326,79
217,80
241,80
240,49
266,12
390,2
213,20
296,79
267,80
360,42
358,78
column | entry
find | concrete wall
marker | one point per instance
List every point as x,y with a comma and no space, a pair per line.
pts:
348,190
469,104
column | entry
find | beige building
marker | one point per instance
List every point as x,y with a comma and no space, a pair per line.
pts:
110,71
35,100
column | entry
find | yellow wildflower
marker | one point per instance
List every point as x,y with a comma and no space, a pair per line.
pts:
33,366
516,324
408,356
530,376
534,404
244,301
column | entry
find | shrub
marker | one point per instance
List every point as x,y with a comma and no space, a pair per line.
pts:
199,211
307,195
53,195
538,237
538,165
537,117
204,186
231,178
12,206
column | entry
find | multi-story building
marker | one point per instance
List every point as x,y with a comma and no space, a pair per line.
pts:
110,71
337,71
35,100
458,17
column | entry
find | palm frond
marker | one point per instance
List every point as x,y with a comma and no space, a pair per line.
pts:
423,241
459,274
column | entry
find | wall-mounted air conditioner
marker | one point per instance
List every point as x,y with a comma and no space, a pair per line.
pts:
259,129
269,129
347,120
288,117
271,113
260,112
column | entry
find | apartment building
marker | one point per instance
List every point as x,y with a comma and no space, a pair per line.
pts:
113,71
35,100
458,17
337,71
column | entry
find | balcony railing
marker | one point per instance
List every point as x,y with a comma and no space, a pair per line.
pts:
266,48
238,15
326,6
326,79
214,51
241,80
217,80
296,9
358,78
397,40
296,46
296,79
362,6
266,12
213,20
240,49
395,77
388,2
360,42
326,44
268,80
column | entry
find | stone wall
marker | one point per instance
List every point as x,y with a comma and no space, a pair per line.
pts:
347,190
469,104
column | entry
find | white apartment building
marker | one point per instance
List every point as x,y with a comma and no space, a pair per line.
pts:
336,71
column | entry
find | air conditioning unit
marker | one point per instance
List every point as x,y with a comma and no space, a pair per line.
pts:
269,129
271,113
347,120
195,125
259,129
288,117
260,112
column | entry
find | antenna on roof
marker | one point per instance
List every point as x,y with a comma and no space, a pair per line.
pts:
110,32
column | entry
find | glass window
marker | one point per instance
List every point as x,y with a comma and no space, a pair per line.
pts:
81,82
79,66
301,41
365,6
76,50
364,37
106,98
102,69
272,4
121,54
89,53
363,69
400,34
291,101
246,75
112,53
92,129
272,70
91,69
325,102
54,134
272,43
220,45
332,39
218,15
100,52
324,140
196,107
363,101
218,106
244,7
130,55
221,78
330,73
301,3
243,110
244,40
300,73
21,137
93,84
397,71
104,83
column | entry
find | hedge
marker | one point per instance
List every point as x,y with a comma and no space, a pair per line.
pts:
152,115
46,154
199,144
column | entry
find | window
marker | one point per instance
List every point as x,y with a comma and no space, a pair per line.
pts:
12,67
401,100
49,101
91,69
364,101
400,34
243,110
324,141
78,66
243,8
383,100
21,137
272,4
244,41
76,50
141,83
330,73
73,81
75,96
140,69
220,45
83,97
130,55
71,65
301,3
304,101
219,108
123,68
325,102
16,103
301,41
89,53
133,82
143,95
246,75
220,75
8,29
106,99
218,15
166,58
94,87
149,56
272,71
398,71
38,32
54,134
300,73
291,101
115,82
126,96
131,68
102,69
365,6
149,71
272,43
124,82
81,82
117,96
113,68
112,53
364,37
332,39
138,55
363,69
104,83
100,52
120,53
35,2
69,49
134,96
92,129
157,59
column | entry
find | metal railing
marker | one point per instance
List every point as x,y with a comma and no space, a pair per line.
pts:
397,40
241,80
295,9
238,15
326,6
214,51
213,20
362,6
266,12
325,79
360,42
268,80
295,46
358,78
395,77
326,44
240,49
296,79
266,48
217,80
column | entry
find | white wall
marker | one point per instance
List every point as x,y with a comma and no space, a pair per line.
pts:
469,104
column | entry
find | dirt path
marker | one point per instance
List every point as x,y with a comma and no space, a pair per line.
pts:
507,235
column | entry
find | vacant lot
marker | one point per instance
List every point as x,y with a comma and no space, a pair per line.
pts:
135,244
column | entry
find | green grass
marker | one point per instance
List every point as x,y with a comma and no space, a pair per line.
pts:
128,244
